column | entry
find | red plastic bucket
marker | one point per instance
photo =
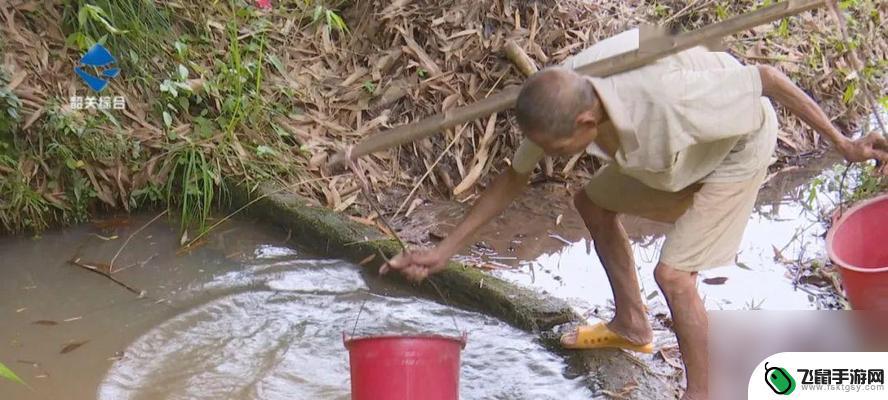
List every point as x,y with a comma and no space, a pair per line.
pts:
407,367
858,243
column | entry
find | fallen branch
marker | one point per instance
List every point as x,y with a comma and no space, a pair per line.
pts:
650,50
111,264
98,270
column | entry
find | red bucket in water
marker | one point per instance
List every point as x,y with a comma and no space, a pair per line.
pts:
410,367
858,243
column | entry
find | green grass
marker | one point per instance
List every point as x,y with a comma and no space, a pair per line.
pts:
9,116
70,158
22,207
331,19
135,31
193,185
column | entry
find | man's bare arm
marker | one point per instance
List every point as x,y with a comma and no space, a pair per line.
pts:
492,202
419,264
777,86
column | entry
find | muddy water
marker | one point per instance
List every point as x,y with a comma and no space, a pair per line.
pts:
245,316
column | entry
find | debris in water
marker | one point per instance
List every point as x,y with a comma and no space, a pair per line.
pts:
34,364
367,260
72,346
778,255
672,356
45,322
103,269
560,239
624,393
715,281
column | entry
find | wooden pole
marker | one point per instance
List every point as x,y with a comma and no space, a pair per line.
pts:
650,50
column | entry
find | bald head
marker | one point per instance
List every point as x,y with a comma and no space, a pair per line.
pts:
551,100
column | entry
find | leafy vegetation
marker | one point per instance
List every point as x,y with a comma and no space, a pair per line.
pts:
851,183
7,373
9,115
138,31
220,90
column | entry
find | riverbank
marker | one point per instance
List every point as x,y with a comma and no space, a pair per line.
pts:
226,89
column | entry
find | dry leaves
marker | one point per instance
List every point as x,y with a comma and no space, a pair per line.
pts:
407,59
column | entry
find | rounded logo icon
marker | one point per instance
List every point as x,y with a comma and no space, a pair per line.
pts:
780,381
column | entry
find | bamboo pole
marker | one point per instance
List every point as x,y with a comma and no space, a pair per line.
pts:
650,50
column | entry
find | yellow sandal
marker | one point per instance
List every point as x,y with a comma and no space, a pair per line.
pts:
598,336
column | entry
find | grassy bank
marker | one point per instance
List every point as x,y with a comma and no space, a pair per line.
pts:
222,89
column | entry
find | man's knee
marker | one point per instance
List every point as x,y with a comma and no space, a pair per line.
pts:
673,281
591,212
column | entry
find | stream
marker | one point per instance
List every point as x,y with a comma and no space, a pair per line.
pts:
244,316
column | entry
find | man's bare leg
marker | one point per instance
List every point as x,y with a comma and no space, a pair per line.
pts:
615,253
691,326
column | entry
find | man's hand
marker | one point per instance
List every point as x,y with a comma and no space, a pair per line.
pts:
418,264
870,147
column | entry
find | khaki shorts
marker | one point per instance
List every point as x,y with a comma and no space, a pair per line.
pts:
709,218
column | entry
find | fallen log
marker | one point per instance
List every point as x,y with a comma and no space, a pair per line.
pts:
651,48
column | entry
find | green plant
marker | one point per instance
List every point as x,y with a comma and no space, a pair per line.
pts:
7,373
192,185
369,86
22,206
135,31
845,185
721,11
332,19
177,96
9,117
237,83
150,194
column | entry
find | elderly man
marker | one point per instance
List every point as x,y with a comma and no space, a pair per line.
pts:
687,140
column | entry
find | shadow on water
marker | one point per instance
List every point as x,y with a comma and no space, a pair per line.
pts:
242,317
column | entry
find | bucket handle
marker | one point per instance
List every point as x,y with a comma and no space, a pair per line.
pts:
434,286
